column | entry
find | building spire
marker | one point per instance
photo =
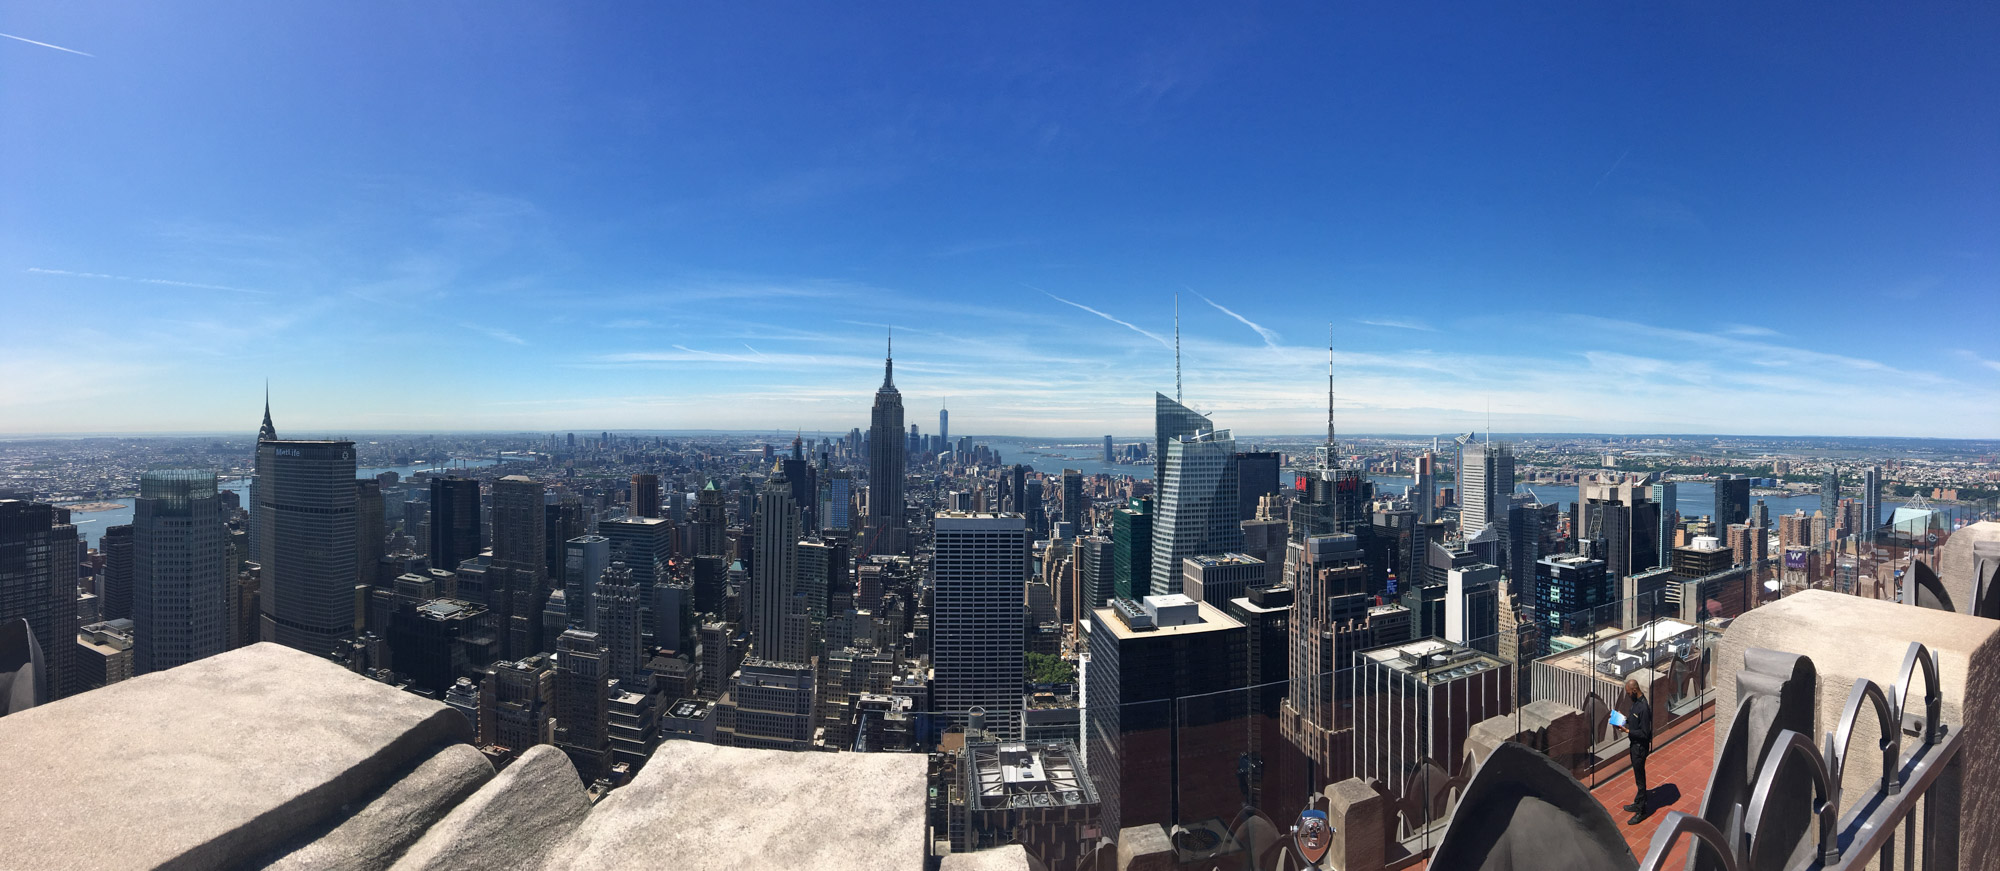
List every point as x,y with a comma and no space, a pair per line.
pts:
267,433
1331,451
889,363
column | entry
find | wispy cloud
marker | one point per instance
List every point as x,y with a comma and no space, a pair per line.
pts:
46,45
160,281
1982,361
1750,330
1127,324
496,333
1401,325
1270,336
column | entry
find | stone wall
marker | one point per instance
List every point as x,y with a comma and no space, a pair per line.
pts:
1849,637
265,757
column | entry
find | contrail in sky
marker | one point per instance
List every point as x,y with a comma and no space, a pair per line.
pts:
1127,324
47,45
1614,168
1270,336
165,281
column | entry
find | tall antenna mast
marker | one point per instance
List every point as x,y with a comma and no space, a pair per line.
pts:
1177,347
1330,450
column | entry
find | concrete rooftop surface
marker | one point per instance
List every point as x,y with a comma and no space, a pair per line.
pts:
266,757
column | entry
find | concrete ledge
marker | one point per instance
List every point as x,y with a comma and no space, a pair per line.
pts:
1848,637
378,832
512,822
1955,561
1145,848
697,807
1012,857
208,765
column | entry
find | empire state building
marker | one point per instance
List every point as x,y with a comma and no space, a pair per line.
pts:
886,531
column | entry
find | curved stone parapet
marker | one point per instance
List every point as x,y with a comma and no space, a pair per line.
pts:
265,757
23,676
1522,811
209,765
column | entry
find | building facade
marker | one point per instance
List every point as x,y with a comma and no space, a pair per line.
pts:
978,580
180,581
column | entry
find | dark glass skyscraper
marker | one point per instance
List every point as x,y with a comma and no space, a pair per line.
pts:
1256,476
180,590
303,533
886,528
116,545
1132,549
1732,500
38,583
1072,500
455,533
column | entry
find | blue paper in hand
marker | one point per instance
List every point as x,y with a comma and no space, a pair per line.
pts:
1617,719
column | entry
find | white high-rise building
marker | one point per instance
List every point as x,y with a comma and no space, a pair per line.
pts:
1196,507
979,576
180,589
1485,478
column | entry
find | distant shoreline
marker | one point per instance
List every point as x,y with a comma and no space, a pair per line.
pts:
89,507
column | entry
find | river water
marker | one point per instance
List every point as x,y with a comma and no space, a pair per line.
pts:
91,524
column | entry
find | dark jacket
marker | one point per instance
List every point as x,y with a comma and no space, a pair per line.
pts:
1639,720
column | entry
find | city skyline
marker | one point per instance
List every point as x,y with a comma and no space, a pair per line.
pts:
592,220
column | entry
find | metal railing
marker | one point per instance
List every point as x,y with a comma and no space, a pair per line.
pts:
1868,831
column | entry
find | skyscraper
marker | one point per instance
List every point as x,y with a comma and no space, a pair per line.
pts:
645,495
1256,477
1197,507
371,530
455,533
711,522
1623,521
582,705
1871,500
1424,492
776,613
617,601
1072,499
1108,457
979,574
1485,477
38,583
1829,493
1667,494
1732,500
303,534
519,552
1157,666
180,589
585,558
886,527
116,545
1132,549
1171,420
645,545
1570,590
944,426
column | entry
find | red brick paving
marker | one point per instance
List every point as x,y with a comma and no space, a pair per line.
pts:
1683,763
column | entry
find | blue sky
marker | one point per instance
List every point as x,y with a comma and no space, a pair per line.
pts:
457,215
